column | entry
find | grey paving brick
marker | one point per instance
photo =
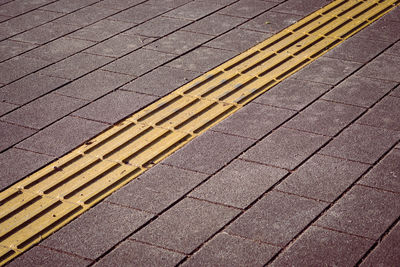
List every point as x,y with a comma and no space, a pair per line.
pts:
361,143
118,4
385,66
202,59
14,8
36,84
323,177
12,134
157,188
4,18
6,107
140,13
15,164
10,48
358,49
43,111
115,106
62,136
118,45
271,22
104,225
254,121
186,225
243,40
324,117
30,20
67,6
276,218
300,7
227,250
209,152
393,15
384,114
327,70
94,85
292,94
168,3
131,253
387,253
41,256
285,148
360,91
239,183
85,16
219,2
322,247
160,81
75,66
386,174
396,91
215,24
193,10
384,30
18,67
394,50
101,30
179,42
363,211
158,27
139,62
247,8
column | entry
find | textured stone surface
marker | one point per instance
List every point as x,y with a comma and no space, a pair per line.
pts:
17,67
10,48
101,30
85,16
139,13
300,7
385,114
271,22
158,27
247,8
6,107
214,24
385,66
12,134
384,30
193,10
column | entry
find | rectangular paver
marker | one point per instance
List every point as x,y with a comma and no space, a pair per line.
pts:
214,24
385,114
158,27
247,8
101,30
385,66
193,10
271,22
302,7
140,13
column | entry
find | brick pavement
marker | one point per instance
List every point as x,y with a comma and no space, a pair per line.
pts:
307,174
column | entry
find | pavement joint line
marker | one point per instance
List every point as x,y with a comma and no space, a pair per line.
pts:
75,157
343,232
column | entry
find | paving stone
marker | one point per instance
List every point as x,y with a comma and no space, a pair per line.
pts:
387,253
140,13
160,81
363,211
97,230
385,114
44,111
41,256
323,177
360,91
157,188
45,33
254,121
271,22
327,70
239,183
158,27
215,24
119,45
101,30
358,49
18,67
202,59
384,30
85,16
179,42
292,94
209,152
322,247
4,18
276,218
76,66
12,134
386,174
67,6
285,148
6,107
94,85
361,143
396,91
62,136
30,20
324,117
219,2
168,3
16,164
131,253
114,106
247,8
300,7
139,62
394,50
186,225
15,8
29,88
393,15
238,40
227,250
10,48
58,49
118,4
193,10
386,67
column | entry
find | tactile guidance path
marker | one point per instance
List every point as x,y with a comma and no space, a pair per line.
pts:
40,204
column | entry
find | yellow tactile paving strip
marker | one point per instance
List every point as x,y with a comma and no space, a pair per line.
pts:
45,201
